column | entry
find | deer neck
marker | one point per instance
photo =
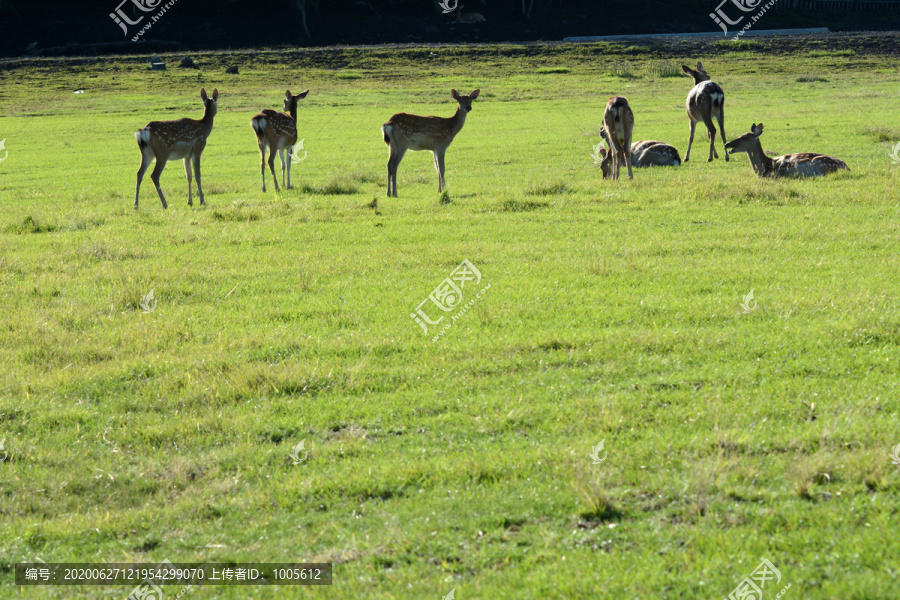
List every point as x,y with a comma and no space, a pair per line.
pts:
209,114
293,112
762,164
457,121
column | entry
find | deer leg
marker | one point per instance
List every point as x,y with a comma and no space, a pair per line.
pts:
626,150
290,158
262,162
687,155
393,165
721,117
439,167
146,159
197,175
711,132
283,167
154,177
272,166
187,169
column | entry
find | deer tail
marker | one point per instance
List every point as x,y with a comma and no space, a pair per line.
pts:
386,132
259,125
142,136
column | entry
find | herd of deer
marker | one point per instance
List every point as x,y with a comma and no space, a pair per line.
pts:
277,132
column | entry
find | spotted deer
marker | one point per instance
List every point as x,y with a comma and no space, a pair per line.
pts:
648,153
277,131
405,132
618,124
183,138
705,101
803,164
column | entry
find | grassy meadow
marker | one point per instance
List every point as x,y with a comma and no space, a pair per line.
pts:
733,429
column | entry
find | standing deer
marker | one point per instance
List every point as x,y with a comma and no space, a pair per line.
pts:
648,153
803,164
405,132
705,100
277,131
183,138
618,123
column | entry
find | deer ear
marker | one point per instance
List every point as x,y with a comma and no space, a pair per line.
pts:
687,69
759,130
699,66
303,95
287,94
455,94
474,94
215,94
203,93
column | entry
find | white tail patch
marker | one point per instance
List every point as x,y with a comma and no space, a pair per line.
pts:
259,125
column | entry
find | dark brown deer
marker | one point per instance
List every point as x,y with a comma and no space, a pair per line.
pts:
618,124
277,131
405,132
705,101
184,138
803,164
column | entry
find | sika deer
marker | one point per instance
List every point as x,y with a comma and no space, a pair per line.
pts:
405,132
184,138
803,164
705,101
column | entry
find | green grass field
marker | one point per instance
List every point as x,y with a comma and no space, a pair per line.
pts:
614,314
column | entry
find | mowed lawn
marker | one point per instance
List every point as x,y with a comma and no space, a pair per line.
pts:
733,429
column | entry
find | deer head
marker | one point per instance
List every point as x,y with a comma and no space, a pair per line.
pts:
698,75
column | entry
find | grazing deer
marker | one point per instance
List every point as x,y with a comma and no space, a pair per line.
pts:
277,131
803,164
618,123
648,153
405,132
183,138
705,100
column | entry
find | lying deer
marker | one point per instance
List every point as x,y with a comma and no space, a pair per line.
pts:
648,153
618,123
183,138
405,132
803,164
277,131
705,101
